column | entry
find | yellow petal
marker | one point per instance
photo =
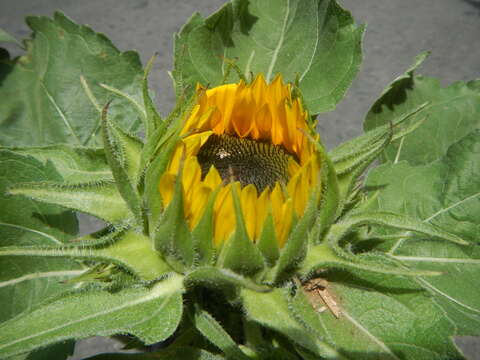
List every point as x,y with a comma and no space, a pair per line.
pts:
248,200
224,215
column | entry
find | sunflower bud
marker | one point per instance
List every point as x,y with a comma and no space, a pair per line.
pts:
245,143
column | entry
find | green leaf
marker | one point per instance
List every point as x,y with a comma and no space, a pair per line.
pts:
217,335
452,203
151,314
220,278
384,317
74,164
52,94
360,150
325,256
6,37
392,220
135,252
302,310
279,318
127,249
178,353
315,42
26,282
100,199
452,113
456,291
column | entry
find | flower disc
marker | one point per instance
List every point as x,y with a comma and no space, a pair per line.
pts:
244,160
251,134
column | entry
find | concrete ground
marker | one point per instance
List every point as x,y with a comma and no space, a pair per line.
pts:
397,31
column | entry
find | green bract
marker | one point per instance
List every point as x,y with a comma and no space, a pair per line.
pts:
385,265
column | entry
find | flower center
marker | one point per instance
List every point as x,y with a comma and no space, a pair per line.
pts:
244,160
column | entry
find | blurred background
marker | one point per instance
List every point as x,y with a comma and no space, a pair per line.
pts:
397,31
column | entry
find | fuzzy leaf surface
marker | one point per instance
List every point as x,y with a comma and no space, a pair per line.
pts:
445,193
151,314
385,317
452,113
272,311
74,164
314,41
52,94
100,199
216,334
25,282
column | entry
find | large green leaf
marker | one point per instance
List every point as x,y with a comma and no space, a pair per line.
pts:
385,317
445,193
27,282
315,42
52,94
152,314
74,164
452,113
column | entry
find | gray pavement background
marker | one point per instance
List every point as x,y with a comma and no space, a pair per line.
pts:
397,31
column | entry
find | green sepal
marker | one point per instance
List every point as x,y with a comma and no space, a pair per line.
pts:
216,334
127,249
152,314
172,237
239,252
296,246
277,302
354,152
123,155
324,256
100,199
154,173
181,82
216,278
330,202
203,235
352,158
125,147
396,221
268,243
73,164
152,119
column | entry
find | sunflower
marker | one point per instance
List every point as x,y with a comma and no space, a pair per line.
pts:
251,137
